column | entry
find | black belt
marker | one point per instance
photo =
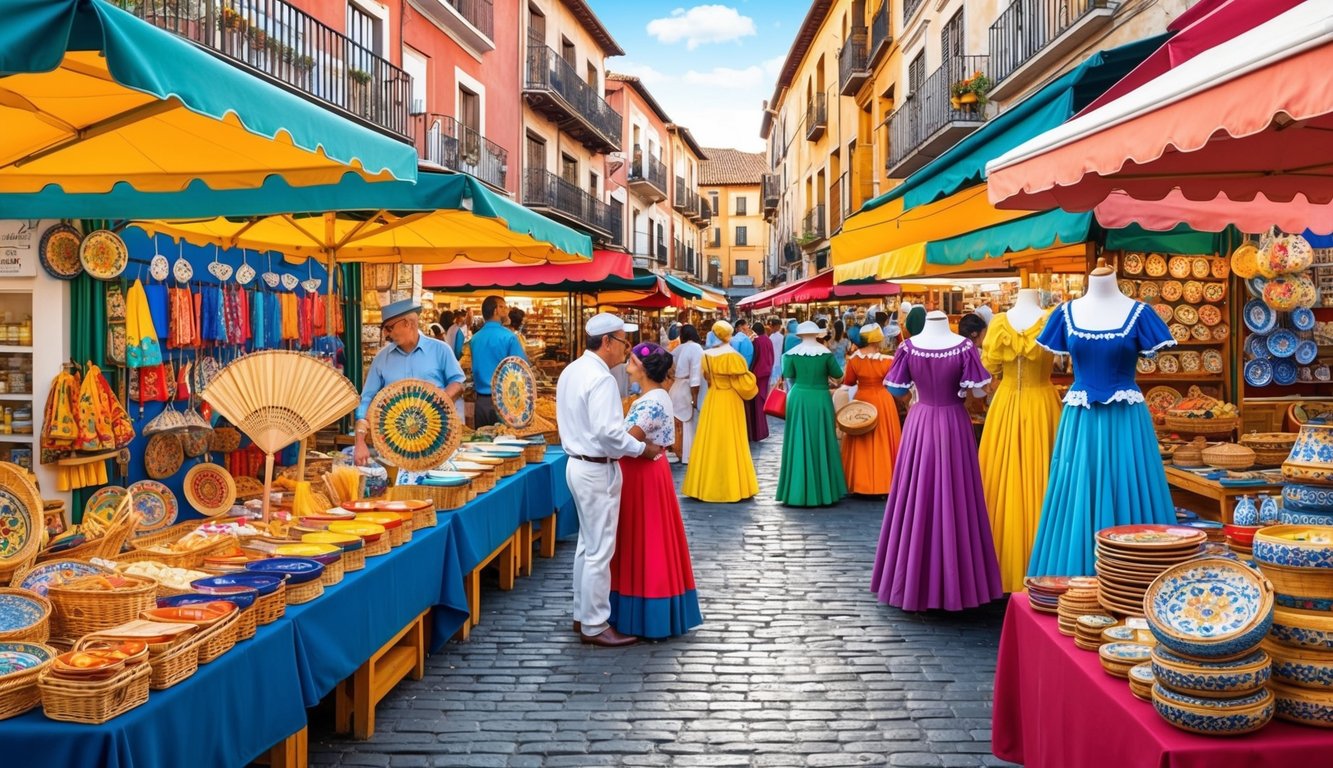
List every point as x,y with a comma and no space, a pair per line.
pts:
593,459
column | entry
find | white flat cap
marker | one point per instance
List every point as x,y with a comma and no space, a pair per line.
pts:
600,325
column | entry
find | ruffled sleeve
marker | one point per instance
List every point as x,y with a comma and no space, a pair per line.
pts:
1151,334
974,373
900,373
998,347
1054,336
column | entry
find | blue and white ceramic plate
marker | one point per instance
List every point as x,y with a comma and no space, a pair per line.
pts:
18,612
1307,498
1285,373
1209,608
1256,286
1135,652
1302,319
1282,343
298,570
1258,372
20,657
262,583
1142,673
446,478
1306,351
43,576
1259,317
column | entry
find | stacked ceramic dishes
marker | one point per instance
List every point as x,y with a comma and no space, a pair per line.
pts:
1129,557
1141,681
1209,617
1299,560
1044,592
1118,658
1088,630
1080,599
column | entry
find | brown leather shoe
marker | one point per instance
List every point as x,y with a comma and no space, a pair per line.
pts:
578,627
608,639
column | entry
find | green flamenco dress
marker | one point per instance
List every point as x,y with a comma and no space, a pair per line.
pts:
811,474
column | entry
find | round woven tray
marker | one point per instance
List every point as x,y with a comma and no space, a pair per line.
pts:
413,426
1228,456
857,417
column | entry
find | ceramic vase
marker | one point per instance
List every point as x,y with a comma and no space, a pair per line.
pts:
1311,457
1246,513
1269,514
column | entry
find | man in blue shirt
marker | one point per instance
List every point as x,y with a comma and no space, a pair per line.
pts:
742,341
410,354
490,345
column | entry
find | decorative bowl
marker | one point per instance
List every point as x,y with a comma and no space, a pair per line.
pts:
1285,373
1214,717
298,570
1307,498
202,614
84,664
388,520
307,549
262,584
344,541
1302,629
1303,667
1295,546
1241,534
18,658
1259,317
242,599
1259,372
1296,517
1302,319
1282,343
1318,605
1311,458
1299,583
369,532
1302,706
1210,608
1221,679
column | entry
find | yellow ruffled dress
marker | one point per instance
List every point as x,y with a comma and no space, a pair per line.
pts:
1016,444
720,468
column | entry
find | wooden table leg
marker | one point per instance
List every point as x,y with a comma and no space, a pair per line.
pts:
357,696
473,586
548,536
508,563
291,752
525,549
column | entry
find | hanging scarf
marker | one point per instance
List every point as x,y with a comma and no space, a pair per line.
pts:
184,331
307,320
242,315
257,327
274,313
60,428
141,347
290,322
157,307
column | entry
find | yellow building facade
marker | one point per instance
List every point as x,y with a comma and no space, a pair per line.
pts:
737,239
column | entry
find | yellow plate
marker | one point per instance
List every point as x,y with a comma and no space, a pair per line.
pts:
356,528
307,549
328,537
385,519
480,459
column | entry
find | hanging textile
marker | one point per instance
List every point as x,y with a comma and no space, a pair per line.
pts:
60,428
157,308
258,329
290,322
141,348
184,332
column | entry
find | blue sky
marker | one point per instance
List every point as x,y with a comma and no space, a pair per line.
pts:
710,66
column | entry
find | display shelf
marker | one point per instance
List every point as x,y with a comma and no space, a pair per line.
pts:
16,348
1211,378
20,439
16,397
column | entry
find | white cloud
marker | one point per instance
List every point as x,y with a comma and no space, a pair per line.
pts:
727,77
774,65
725,125
644,72
701,25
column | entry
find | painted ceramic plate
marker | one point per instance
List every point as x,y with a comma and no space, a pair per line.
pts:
1207,600
1221,268
103,254
311,285
244,274
1187,314
1180,332
1135,652
220,270
1168,364
1306,351
20,517
514,391
1190,361
1221,331
412,424
182,270
59,252
1258,372
1210,315
307,549
1179,267
1200,267
1285,373
156,505
1048,583
1172,290
1132,263
298,570
1146,365
101,506
1150,536
1155,265
1201,332
505,451
159,267
1164,311
1212,361
18,612
1302,319
1214,292
20,657
1149,291
1193,292
1256,346
1119,634
1127,287
1282,343
163,456
1255,285
447,478
1161,399
1259,317
210,489
55,572
290,281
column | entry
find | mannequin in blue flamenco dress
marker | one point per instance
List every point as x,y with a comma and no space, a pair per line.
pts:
1105,468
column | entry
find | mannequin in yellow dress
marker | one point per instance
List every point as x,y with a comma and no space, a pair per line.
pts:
1015,453
720,468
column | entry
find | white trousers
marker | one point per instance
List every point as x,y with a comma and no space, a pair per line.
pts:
596,492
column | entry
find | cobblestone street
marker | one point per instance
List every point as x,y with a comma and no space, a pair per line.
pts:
795,665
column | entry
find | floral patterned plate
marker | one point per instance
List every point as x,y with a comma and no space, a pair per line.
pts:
1146,365
514,391
210,489
1214,292
1135,652
1172,290
1155,266
1201,332
1212,361
1168,364
1161,399
1306,351
1149,290
1164,311
159,267
103,254
1282,343
1259,372
1302,319
1180,332
1187,314
1200,267
163,456
156,505
1121,634
1127,287
19,612
20,517
1259,317
1221,268
52,572
59,252
101,506
1190,362
1285,373
1179,267
1208,600
1132,263
1221,331
1193,292
1210,315
1150,536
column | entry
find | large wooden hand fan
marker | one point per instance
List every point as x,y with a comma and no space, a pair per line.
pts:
279,397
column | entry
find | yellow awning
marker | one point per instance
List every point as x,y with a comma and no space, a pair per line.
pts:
900,262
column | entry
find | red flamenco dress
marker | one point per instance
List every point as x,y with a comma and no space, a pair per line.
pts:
652,581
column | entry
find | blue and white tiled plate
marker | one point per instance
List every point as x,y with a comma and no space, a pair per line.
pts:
1258,372
1259,317
1282,343
1256,286
1285,373
1208,608
1256,346
1306,351
42,576
18,612
1302,319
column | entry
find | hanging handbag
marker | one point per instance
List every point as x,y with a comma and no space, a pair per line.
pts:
776,403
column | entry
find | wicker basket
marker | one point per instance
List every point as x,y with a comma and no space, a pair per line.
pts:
396,536
354,560
247,624
1270,448
442,497
80,701
39,632
1188,426
535,454
77,612
176,664
333,572
272,606
18,692
105,546
1228,456
857,417
484,481
426,517
192,558
219,638
11,573
406,526
168,535
304,593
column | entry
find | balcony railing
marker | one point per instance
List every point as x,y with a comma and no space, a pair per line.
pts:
927,123
553,86
479,13
879,32
686,200
291,48
689,259
705,211
812,226
742,281
678,199
816,117
444,141
909,8
835,204
647,175
677,253
544,190
772,192
854,62
1031,29
662,255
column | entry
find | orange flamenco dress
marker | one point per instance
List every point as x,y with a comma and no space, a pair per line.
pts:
1016,445
867,460
720,468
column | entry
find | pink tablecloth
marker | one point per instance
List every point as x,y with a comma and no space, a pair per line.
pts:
1056,708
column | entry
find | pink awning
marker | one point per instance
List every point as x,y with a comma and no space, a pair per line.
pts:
817,288
604,264
1246,126
760,300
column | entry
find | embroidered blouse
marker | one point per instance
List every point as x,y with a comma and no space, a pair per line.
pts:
653,414
1104,361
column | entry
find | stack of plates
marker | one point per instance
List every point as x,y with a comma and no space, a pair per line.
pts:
1119,658
1044,591
1129,557
1141,680
1088,630
1079,600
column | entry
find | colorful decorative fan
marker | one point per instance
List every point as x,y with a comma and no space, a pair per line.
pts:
156,505
278,398
514,391
412,425
210,489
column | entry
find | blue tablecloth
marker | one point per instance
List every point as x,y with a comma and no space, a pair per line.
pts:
229,713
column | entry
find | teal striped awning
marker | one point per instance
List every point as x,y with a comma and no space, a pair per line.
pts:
1040,230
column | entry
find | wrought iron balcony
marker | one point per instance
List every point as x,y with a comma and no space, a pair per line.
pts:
705,211
566,202
662,255
928,124
816,117
1030,34
689,259
772,192
677,253
686,200
289,47
444,141
555,89
909,8
812,226
879,32
854,62
647,176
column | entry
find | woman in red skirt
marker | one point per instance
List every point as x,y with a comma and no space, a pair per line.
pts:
652,583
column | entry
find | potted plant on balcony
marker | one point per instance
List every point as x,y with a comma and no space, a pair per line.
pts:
358,89
807,237
970,93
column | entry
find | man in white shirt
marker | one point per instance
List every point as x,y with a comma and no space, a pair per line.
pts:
775,336
593,434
